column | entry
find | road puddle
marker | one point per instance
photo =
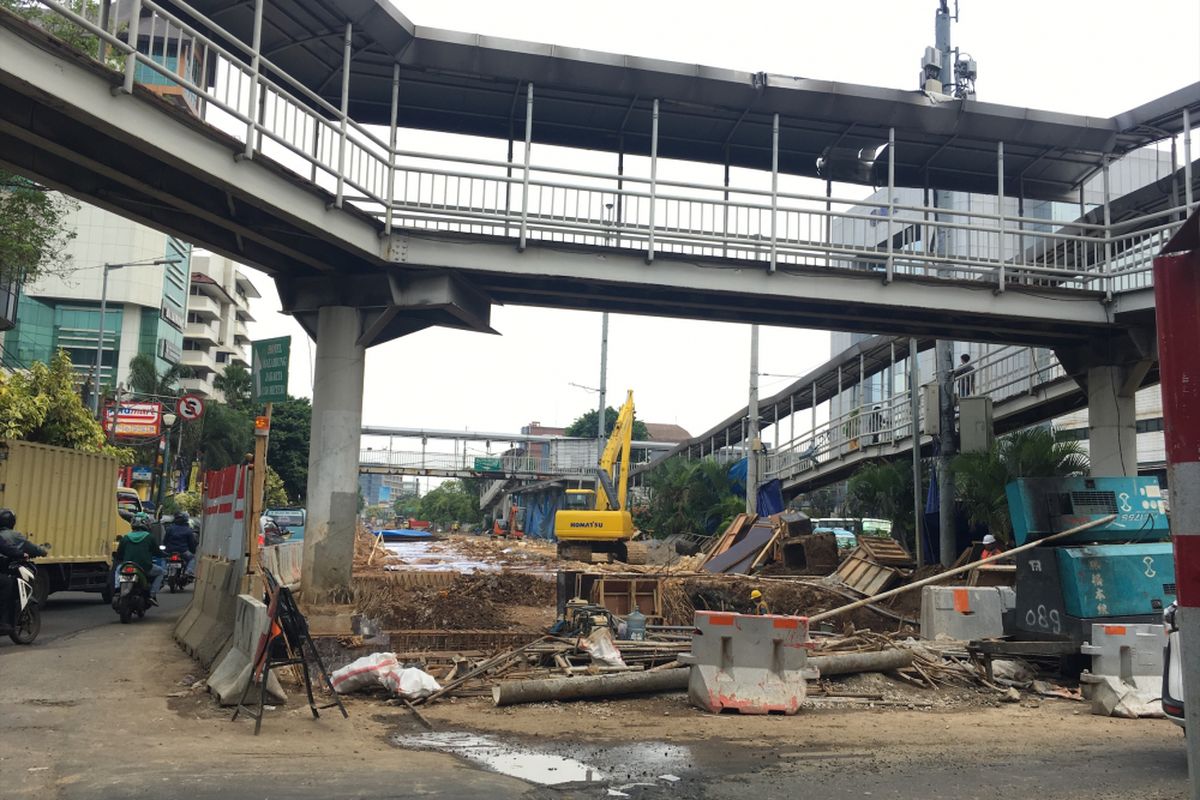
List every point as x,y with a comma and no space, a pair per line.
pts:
422,557
534,766
645,763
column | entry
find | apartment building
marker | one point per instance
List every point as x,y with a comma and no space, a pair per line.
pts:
215,334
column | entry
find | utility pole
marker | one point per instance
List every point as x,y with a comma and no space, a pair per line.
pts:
602,419
944,349
752,464
914,410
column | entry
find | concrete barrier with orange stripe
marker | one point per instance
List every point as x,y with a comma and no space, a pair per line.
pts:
751,664
965,613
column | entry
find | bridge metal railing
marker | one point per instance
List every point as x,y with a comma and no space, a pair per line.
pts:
1002,374
234,87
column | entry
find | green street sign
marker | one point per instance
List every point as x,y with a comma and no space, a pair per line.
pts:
269,369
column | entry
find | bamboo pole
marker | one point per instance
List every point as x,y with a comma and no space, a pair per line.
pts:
964,568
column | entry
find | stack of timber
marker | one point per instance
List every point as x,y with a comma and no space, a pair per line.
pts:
875,565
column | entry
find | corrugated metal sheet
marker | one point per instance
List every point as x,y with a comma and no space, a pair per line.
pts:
63,497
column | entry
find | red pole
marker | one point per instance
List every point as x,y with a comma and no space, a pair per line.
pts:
1177,302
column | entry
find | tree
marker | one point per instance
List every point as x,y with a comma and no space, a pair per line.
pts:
274,495
42,405
818,503
693,497
291,431
223,437
407,505
884,489
145,379
584,425
237,386
449,502
982,478
67,31
33,232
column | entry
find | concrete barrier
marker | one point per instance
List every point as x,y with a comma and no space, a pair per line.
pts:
1127,668
232,672
964,612
206,627
752,664
284,561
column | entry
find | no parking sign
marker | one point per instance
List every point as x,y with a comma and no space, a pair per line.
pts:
190,407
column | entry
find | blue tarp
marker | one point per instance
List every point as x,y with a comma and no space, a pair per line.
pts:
539,512
770,494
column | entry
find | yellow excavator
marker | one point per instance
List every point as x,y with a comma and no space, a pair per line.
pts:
598,521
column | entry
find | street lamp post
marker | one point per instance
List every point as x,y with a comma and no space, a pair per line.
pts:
168,422
103,309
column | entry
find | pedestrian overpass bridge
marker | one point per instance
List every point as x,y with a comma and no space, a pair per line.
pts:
273,133
847,417
276,134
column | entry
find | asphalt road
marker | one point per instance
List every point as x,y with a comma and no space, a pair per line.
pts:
68,614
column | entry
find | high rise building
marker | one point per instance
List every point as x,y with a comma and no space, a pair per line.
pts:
218,311
145,309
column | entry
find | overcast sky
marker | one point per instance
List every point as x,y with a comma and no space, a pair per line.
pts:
1077,56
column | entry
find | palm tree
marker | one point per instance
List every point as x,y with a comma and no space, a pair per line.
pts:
145,379
882,489
236,384
982,478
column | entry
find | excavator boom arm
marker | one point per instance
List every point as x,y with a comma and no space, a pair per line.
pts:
614,461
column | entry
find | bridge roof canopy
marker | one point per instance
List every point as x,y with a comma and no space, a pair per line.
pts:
471,84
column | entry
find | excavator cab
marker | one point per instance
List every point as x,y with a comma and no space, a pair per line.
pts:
579,499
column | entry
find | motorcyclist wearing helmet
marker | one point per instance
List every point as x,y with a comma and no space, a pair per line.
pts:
180,538
139,547
13,548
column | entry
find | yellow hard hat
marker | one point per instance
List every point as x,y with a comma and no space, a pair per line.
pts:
755,595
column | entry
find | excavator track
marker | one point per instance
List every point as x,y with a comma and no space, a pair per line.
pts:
637,553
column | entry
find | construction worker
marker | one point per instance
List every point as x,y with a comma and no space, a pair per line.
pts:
991,547
760,605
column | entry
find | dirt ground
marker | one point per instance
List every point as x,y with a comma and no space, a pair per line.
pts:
117,711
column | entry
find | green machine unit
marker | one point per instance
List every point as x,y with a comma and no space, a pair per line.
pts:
1122,571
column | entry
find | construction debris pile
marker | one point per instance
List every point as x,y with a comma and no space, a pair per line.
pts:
472,600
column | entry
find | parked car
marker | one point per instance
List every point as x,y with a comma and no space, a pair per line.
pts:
1172,691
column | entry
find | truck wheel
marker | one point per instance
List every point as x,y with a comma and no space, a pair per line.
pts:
106,593
637,553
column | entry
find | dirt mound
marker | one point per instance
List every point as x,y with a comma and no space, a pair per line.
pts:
474,601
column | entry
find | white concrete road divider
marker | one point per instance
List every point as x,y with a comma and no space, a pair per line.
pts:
965,612
1126,677
751,664
205,629
232,672
284,561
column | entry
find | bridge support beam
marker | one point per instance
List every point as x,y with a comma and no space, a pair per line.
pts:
334,454
1112,421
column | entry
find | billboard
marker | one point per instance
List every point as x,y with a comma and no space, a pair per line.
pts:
134,419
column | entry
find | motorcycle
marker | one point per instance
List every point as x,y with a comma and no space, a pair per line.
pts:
24,623
177,574
132,595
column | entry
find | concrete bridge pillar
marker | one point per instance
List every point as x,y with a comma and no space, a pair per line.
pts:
345,314
1112,421
333,453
